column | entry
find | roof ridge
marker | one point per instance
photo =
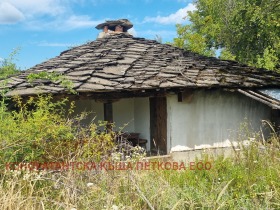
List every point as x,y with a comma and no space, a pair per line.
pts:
132,63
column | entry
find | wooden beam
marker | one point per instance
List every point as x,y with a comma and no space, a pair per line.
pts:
265,97
258,99
115,95
275,118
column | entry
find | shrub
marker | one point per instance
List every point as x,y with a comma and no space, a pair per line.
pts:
40,129
8,67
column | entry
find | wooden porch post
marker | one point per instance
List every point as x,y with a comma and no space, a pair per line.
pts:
158,123
275,118
108,115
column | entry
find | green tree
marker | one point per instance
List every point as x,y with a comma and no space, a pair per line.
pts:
246,30
190,40
8,66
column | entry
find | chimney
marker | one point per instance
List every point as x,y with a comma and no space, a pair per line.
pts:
111,27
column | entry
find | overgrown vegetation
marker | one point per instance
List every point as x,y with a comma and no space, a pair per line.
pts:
41,129
8,66
53,77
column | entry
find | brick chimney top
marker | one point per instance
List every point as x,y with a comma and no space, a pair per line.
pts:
114,26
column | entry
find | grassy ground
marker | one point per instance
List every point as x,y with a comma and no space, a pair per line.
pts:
248,182
41,130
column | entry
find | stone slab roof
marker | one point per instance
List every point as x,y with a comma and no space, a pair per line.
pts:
125,63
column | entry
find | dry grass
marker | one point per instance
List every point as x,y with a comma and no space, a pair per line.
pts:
248,183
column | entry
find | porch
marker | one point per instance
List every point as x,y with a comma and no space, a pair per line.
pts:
190,118
141,120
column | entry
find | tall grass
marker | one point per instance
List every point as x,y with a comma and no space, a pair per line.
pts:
247,180
239,183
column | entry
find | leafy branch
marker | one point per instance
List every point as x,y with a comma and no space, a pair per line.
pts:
8,67
53,77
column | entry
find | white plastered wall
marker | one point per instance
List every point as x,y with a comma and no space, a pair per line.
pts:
123,114
95,110
206,117
134,112
130,115
142,118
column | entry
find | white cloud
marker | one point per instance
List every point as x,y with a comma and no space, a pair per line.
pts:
9,14
40,7
64,24
45,14
154,33
83,21
177,17
133,32
13,11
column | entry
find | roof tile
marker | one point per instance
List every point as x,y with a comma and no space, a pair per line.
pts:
121,62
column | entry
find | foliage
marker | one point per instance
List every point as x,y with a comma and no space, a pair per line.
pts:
52,76
8,67
40,129
189,40
227,55
43,129
248,31
247,180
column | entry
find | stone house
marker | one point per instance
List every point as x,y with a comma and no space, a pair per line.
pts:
168,95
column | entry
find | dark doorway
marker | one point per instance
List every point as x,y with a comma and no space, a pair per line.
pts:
275,118
108,115
158,123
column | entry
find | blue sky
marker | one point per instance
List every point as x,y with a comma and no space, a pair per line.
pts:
44,28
